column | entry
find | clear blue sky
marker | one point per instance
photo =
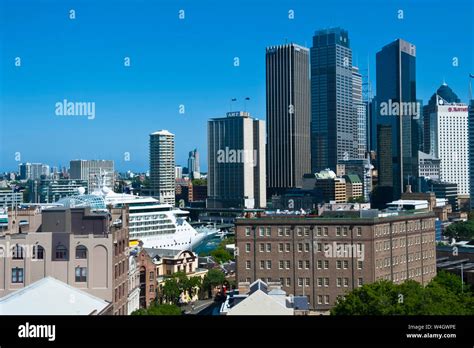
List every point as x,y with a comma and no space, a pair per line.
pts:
187,62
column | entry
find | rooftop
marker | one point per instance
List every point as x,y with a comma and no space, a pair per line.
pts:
50,296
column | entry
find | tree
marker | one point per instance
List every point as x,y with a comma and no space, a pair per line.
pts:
171,290
212,279
444,295
221,255
460,230
156,309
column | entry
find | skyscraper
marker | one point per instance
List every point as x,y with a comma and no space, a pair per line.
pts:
97,173
162,166
193,164
471,151
360,109
236,174
398,109
333,117
288,116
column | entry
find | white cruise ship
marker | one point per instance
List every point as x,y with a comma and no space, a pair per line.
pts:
156,224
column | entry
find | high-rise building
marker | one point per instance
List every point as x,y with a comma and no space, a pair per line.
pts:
333,117
162,166
98,173
446,94
360,109
448,139
428,166
471,151
178,170
397,108
50,191
288,116
236,176
193,164
33,171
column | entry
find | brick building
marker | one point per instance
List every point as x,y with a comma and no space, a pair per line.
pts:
323,257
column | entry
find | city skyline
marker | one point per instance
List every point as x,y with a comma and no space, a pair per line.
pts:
200,84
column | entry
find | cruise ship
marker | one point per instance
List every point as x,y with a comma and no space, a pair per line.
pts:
156,224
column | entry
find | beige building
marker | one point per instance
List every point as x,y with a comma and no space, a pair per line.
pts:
323,257
76,246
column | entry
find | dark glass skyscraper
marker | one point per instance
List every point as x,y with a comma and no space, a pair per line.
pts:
398,109
288,116
333,117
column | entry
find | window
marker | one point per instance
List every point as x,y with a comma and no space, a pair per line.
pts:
61,252
288,248
280,264
268,231
288,264
338,231
269,264
81,252
152,289
280,247
307,264
152,276
17,252
262,247
359,264
261,231
17,275
360,282
359,231
325,231
320,264
287,231
300,281
320,246
306,281
262,264
269,247
247,264
318,231
320,299
300,264
247,247
116,271
248,280
320,282
346,264
38,252
326,281
346,282
339,282
306,232
299,232
300,247
288,281
326,299
247,231
280,231
81,274
306,247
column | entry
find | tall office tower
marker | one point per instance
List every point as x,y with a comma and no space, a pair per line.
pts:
446,94
236,173
98,173
162,166
471,151
333,118
33,171
288,116
360,109
449,125
193,164
397,108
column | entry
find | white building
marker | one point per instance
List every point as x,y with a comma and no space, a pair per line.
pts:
9,198
162,166
133,302
449,123
428,166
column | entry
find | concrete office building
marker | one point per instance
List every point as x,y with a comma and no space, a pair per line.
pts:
162,166
288,116
50,191
9,198
360,109
193,164
334,128
98,173
236,155
327,257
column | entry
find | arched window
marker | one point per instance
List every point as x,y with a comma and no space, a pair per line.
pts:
38,252
17,252
81,252
61,252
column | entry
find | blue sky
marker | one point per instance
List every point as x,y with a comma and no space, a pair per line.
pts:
185,62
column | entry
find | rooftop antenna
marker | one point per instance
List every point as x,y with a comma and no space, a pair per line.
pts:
245,103
471,76
230,103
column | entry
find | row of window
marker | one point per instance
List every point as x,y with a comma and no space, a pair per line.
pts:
304,264
412,273
303,231
402,242
18,275
61,252
399,227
